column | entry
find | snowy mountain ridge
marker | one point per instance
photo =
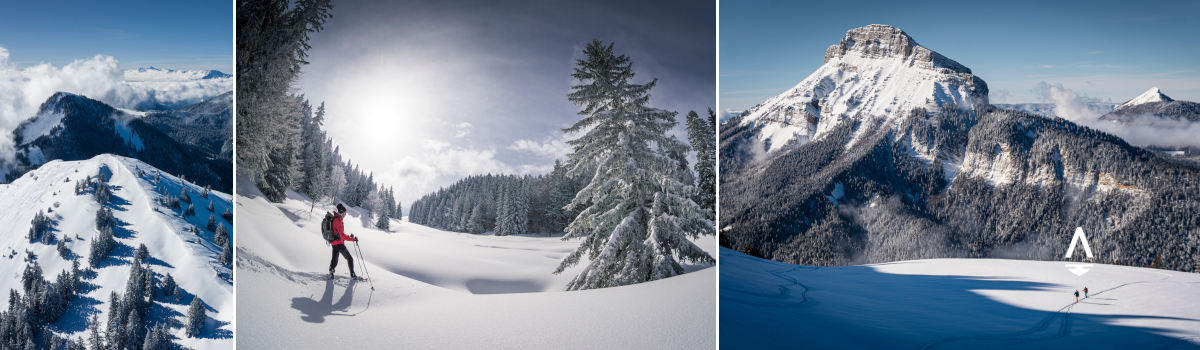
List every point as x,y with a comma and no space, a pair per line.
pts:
877,71
141,217
1152,95
159,74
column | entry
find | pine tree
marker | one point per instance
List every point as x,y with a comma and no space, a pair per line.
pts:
383,222
222,235
195,318
212,223
168,286
1157,264
227,215
94,339
142,252
226,257
272,43
635,217
210,207
475,223
701,134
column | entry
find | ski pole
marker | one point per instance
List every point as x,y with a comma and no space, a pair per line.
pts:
362,262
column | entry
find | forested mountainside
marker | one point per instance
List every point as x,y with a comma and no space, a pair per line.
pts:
74,127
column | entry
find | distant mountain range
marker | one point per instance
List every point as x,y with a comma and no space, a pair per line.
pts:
159,74
195,142
891,151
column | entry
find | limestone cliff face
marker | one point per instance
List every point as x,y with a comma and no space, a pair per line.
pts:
876,73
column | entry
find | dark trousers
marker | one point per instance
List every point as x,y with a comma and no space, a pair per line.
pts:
341,248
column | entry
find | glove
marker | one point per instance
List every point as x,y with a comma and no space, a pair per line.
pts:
354,237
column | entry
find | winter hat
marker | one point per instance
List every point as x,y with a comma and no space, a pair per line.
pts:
341,208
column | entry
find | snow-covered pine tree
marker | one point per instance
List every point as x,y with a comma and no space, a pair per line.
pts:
221,235
191,210
702,135
94,339
212,223
168,287
635,217
382,223
142,252
519,209
277,178
184,196
272,43
195,318
210,207
226,257
227,215
475,223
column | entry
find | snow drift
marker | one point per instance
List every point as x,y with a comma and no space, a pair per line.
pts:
442,289
955,304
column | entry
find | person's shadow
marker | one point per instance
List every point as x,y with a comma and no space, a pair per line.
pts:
315,311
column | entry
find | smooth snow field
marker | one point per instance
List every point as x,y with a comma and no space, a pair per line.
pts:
954,304
189,258
443,290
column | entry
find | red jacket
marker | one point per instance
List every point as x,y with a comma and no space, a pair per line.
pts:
339,230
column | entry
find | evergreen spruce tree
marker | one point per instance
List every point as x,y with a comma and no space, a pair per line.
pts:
227,215
702,135
168,286
195,318
277,178
475,223
635,217
226,257
210,207
383,222
212,222
142,252
94,339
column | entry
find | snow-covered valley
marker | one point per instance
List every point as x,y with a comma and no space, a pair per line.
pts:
141,218
954,304
437,289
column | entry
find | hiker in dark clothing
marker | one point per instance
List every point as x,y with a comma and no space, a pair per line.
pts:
339,246
1076,293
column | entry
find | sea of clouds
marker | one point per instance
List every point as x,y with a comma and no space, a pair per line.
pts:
22,91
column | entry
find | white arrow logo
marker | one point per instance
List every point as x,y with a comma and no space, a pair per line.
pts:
1079,269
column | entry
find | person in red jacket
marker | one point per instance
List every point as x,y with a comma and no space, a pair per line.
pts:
339,246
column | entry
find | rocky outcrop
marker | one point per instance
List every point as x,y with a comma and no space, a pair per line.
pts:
884,41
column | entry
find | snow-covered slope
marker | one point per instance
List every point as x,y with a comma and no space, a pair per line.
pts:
159,74
876,71
447,290
190,259
955,304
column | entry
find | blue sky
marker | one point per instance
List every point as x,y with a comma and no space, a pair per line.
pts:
139,34
424,93
1106,49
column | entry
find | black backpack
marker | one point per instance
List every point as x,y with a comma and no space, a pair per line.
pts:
327,228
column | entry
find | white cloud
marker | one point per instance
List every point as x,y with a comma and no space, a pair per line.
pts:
440,164
729,113
554,146
100,78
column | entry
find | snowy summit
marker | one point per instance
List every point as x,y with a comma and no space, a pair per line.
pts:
159,74
1152,95
876,71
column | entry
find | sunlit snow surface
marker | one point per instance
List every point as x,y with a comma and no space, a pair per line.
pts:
954,304
173,249
445,290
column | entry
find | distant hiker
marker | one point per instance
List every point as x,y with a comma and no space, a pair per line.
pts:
1085,292
339,245
1076,292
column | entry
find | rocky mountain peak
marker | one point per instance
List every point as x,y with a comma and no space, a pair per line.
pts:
880,41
